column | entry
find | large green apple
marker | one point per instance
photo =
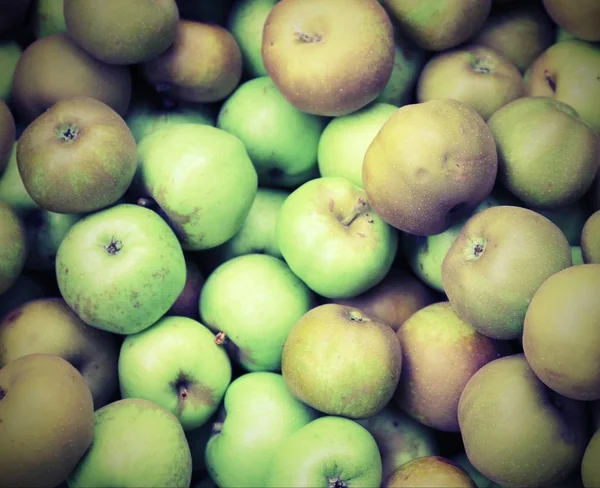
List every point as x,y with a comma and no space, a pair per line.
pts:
260,414
281,140
345,141
330,451
253,301
177,364
201,178
332,240
120,269
136,443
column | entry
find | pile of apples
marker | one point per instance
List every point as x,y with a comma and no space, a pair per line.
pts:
299,243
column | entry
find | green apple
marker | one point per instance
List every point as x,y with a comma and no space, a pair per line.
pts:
48,18
177,364
425,254
202,179
13,246
330,451
12,189
120,269
345,140
253,301
281,140
260,415
136,443
332,240
246,21
10,52
144,117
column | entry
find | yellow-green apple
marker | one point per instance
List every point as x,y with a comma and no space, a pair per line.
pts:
188,300
259,416
308,457
10,52
437,26
520,31
321,37
590,469
13,246
202,180
8,133
345,140
340,361
568,71
496,264
547,155
430,472
579,17
252,302
122,33
349,248
394,299
440,353
400,438
429,163
561,337
49,326
120,269
590,239
476,75
39,78
176,363
425,254
48,18
541,444
245,21
204,64
47,420
136,443
281,140
12,189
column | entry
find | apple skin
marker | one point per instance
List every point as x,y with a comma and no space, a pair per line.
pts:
440,353
8,133
321,81
545,439
10,52
253,301
349,248
281,140
48,18
309,458
260,416
400,438
568,71
120,269
481,481
345,140
136,443
590,239
177,364
581,18
94,353
202,180
12,189
590,473
429,472
13,246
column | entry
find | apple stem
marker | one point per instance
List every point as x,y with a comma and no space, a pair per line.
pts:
550,79
146,202
307,38
220,338
217,427
358,209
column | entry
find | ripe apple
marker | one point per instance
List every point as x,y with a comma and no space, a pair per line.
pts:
136,443
476,75
177,364
13,246
47,420
202,180
431,472
260,415
345,140
309,457
429,163
10,52
253,301
579,17
281,140
321,38
49,326
120,269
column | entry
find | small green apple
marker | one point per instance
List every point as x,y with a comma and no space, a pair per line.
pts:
260,414
177,364
253,301
332,240
281,140
136,443
120,269
330,451
345,140
10,52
